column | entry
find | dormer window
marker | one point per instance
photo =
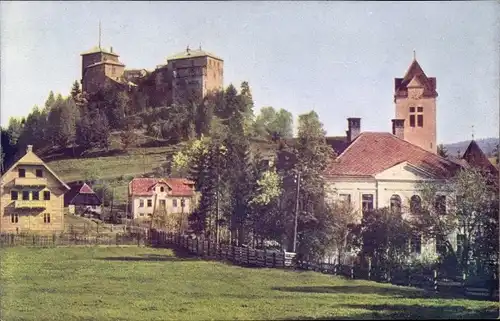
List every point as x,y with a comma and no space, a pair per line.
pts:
39,173
22,172
162,189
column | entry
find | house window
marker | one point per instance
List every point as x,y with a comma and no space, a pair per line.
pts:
440,245
141,203
35,195
174,202
183,202
22,172
367,203
346,198
420,109
26,196
440,204
14,195
162,189
412,109
420,120
14,218
415,204
412,120
46,195
141,214
150,203
416,244
395,204
163,203
46,218
39,173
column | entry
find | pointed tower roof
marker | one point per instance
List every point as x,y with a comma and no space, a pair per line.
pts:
415,74
476,157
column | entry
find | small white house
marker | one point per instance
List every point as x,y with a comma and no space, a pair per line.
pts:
175,195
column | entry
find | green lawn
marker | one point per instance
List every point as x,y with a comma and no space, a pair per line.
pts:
130,283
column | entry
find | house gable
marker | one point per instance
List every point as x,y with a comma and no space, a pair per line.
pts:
405,171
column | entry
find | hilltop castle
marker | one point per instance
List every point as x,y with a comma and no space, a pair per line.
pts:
191,70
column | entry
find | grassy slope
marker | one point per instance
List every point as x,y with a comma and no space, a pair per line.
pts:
99,283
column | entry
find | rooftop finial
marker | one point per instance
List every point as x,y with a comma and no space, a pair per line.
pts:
200,46
414,55
472,132
99,34
187,49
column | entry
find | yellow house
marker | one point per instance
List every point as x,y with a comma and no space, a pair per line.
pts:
32,197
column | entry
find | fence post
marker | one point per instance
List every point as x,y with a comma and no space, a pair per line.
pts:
274,259
352,271
138,239
197,246
116,239
435,280
369,268
54,239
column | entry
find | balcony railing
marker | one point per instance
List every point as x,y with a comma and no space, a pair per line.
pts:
24,181
30,204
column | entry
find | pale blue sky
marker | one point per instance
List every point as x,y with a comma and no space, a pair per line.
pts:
338,58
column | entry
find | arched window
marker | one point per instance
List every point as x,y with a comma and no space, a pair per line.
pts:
415,204
395,204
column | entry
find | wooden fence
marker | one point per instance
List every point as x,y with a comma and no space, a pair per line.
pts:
68,239
209,249
429,279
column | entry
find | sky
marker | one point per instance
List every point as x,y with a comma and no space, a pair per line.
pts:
336,58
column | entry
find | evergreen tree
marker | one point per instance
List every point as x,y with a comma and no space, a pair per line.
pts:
76,91
442,151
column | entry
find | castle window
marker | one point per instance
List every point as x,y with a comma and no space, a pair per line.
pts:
22,172
420,120
412,120
14,195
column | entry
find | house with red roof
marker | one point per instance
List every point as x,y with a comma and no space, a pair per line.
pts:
147,195
382,169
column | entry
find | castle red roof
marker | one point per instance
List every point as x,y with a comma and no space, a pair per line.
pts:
372,153
178,186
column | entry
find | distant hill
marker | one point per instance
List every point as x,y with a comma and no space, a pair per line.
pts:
486,144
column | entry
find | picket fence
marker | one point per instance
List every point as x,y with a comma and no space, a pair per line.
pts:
433,280
69,239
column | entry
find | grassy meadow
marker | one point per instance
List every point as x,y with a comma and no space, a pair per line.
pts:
132,283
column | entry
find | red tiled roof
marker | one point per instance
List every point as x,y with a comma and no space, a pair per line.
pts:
372,153
85,189
144,186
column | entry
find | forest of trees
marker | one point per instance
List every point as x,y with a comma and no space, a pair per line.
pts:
79,122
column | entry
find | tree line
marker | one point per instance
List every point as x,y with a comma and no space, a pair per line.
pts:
81,122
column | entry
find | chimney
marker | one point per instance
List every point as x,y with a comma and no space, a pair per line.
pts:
29,149
354,128
111,49
398,128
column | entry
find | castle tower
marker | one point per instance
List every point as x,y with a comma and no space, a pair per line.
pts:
195,71
415,98
99,66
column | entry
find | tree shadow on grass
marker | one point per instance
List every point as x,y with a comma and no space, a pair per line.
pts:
148,258
397,292
412,312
